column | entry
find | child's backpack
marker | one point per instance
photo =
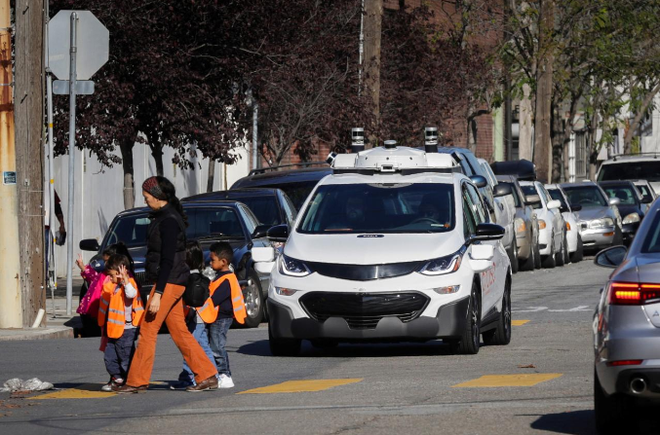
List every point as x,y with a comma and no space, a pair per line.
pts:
197,289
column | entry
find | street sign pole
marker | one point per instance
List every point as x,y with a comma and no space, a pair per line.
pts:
72,160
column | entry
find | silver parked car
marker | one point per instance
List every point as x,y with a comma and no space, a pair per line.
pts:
599,220
627,329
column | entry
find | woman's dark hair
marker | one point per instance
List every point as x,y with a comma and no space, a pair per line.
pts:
120,249
169,190
117,260
194,256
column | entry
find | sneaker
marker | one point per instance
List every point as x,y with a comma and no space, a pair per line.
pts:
225,381
115,382
180,385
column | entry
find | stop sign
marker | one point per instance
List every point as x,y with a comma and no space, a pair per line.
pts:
93,43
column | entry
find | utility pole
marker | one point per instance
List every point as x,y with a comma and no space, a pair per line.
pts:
11,314
373,17
542,140
29,115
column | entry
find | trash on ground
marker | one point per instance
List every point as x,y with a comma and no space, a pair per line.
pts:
34,384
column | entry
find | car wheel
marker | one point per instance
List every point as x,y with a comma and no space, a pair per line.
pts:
578,255
501,335
529,262
513,256
549,261
560,258
608,411
283,346
254,301
469,342
537,256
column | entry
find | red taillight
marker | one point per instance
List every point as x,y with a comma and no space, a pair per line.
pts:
625,362
628,293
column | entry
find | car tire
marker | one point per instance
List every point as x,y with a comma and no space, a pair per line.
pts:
254,301
501,335
560,258
283,346
537,254
468,344
609,411
513,256
578,255
530,262
549,262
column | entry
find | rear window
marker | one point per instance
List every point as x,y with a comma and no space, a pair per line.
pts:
531,190
264,208
652,240
586,196
630,171
297,192
625,194
556,194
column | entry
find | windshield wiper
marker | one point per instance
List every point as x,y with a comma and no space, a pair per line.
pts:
217,236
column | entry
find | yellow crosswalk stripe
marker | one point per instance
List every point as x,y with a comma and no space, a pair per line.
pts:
301,386
519,322
493,381
84,391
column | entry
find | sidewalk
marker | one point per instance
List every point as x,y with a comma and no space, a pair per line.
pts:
58,324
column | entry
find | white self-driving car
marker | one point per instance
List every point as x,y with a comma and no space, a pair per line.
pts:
395,245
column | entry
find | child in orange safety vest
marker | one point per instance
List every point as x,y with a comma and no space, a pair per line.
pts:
210,323
120,313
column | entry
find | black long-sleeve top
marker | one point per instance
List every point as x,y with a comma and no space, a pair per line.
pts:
169,232
222,297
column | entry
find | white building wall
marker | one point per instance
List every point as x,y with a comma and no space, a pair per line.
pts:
99,190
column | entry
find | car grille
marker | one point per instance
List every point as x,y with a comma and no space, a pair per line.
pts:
364,310
364,272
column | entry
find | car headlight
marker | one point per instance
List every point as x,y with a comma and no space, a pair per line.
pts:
632,218
292,267
521,227
443,265
541,224
601,223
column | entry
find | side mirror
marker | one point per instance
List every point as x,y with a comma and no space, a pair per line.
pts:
479,181
502,190
576,207
264,259
615,201
260,231
278,233
647,199
481,257
488,232
554,204
611,257
563,209
89,245
532,199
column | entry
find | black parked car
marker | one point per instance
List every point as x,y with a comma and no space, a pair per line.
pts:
270,206
631,205
297,184
208,222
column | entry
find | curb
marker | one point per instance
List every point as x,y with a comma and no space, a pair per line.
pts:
35,334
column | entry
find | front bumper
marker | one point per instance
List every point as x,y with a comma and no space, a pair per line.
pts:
598,238
449,322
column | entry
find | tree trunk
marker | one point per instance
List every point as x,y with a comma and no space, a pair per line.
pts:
542,128
156,152
373,15
630,133
127,164
29,116
526,125
211,176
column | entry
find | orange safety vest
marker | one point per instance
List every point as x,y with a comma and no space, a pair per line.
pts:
112,306
209,312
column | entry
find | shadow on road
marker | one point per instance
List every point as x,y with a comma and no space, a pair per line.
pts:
343,350
570,423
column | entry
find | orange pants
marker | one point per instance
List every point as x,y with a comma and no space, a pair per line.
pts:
170,312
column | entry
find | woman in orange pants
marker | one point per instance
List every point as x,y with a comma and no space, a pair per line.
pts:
165,263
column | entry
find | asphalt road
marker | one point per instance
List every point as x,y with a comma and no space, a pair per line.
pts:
359,389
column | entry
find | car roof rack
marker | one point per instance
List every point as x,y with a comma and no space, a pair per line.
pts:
391,159
654,154
288,166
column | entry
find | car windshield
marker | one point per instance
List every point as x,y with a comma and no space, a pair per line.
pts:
264,208
132,229
637,170
625,194
556,194
297,192
531,190
514,193
643,190
586,196
380,208
652,239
